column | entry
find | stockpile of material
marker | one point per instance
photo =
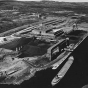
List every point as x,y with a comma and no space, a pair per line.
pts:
35,49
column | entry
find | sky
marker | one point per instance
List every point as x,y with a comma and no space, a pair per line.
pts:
59,0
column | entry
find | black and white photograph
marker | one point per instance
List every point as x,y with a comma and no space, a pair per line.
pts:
43,43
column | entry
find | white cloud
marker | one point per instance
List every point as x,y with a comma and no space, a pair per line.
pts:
28,0
59,0
74,0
